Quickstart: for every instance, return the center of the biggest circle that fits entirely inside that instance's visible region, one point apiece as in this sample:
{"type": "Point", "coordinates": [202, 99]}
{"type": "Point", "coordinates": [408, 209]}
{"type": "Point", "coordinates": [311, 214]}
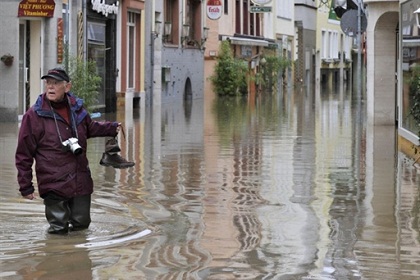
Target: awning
{"type": "Point", "coordinates": [247, 42]}
{"type": "Point", "coordinates": [411, 42]}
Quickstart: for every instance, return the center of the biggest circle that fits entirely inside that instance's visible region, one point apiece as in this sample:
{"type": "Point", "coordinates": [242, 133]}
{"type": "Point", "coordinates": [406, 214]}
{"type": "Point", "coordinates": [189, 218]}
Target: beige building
{"type": "Point", "coordinates": [254, 28]}
{"type": "Point", "coordinates": [333, 48]}
{"type": "Point", "coordinates": [31, 41]}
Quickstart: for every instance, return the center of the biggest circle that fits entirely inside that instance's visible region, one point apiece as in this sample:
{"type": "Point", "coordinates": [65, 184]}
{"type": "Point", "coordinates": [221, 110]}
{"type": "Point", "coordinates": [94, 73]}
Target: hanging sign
{"type": "Point", "coordinates": [349, 23]}
{"type": "Point", "coordinates": [60, 40]}
{"type": "Point", "coordinates": [36, 8]}
{"type": "Point", "coordinates": [214, 9]}
{"type": "Point", "coordinates": [259, 9]}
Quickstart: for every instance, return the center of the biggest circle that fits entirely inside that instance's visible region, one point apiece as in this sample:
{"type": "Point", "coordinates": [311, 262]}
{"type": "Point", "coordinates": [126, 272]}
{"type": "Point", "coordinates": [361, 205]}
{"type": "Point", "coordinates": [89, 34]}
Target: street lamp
{"type": "Point", "coordinates": [204, 37]}
{"type": "Point", "coordinates": [167, 30]}
{"type": "Point", "coordinates": [205, 33]}
{"type": "Point", "coordinates": [417, 15]}
{"type": "Point", "coordinates": [185, 33]}
{"type": "Point", "coordinates": [263, 61]}
{"type": "Point", "coordinates": [156, 32]}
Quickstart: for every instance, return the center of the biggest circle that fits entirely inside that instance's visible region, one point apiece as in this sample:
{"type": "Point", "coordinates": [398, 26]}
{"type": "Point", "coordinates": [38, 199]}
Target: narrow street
{"type": "Point", "coordinates": [289, 186]}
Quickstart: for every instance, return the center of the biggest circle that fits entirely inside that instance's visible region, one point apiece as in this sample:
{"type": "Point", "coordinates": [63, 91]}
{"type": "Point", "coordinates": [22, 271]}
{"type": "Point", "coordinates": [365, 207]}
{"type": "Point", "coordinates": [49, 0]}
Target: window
{"type": "Point", "coordinates": [329, 47]}
{"type": "Point", "coordinates": [191, 16]}
{"type": "Point", "coordinates": [131, 47]}
{"type": "Point", "coordinates": [324, 44]}
{"type": "Point", "coordinates": [193, 19]}
{"type": "Point", "coordinates": [410, 68]}
{"type": "Point", "coordinates": [66, 20]}
{"type": "Point", "coordinates": [347, 47]}
{"type": "Point", "coordinates": [254, 20]}
{"type": "Point", "coordinates": [247, 23]}
{"type": "Point", "coordinates": [96, 32]}
{"type": "Point", "coordinates": [96, 51]}
{"type": "Point", "coordinates": [334, 45]}
{"type": "Point", "coordinates": [171, 15]}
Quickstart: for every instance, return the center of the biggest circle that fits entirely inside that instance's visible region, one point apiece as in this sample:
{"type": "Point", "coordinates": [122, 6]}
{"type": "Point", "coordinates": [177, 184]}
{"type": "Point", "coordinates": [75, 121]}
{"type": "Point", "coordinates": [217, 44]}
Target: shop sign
{"type": "Point", "coordinates": [259, 9]}
{"type": "Point", "coordinates": [36, 8]}
{"type": "Point", "coordinates": [102, 8]}
{"type": "Point", "coordinates": [214, 9]}
{"type": "Point", "coordinates": [60, 41]}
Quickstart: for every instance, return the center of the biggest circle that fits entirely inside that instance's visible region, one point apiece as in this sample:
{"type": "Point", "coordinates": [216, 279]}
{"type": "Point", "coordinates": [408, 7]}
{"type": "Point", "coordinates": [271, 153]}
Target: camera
{"type": "Point", "coordinates": [72, 144]}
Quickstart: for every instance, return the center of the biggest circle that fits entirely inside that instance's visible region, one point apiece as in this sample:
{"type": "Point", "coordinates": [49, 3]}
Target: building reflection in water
{"type": "Point", "coordinates": [288, 186]}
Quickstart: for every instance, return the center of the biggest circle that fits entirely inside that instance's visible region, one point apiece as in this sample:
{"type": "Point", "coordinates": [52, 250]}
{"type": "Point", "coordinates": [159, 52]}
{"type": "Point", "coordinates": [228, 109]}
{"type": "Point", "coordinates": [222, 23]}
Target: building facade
{"type": "Point", "coordinates": [409, 73]}
{"type": "Point", "coordinates": [305, 22]}
{"type": "Point", "coordinates": [175, 71]}
{"type": "Point", "coordinates": [96, 40]}
{"type": "Point", "coordinates": [164, 51]}
{"type": "Point", "coordinates": [43, 34]}
{"type": "Point", "coordinates": [31, 33]}
{"type": "Point", "coordinates": [131, 54]}
{"type": "Point", "coordinates": [285, 37]}
{"type": "Point", "coordinates": [333, 47]}
{"type": "Point", "coordinates": [382, 48]}
{"type": "Point", "coordinates": [254, 28]}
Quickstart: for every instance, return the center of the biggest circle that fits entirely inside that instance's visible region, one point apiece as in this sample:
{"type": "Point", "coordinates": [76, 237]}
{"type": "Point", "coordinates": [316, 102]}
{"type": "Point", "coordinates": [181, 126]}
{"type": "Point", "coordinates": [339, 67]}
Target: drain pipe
{"type": "Point", "coordinates": [359, 47]}
{"type": "Point", "coordinates": [84, 9]}
{"type": "Point", "coordinates": [153, 36]}
{"type": "Point", "coordinates": [152, 62]}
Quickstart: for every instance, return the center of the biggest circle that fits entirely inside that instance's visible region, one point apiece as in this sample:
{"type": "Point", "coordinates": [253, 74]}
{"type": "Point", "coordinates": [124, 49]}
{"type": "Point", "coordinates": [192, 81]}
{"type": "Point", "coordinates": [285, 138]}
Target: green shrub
{"type": "Point", "coordinates": [414, 89]}
{"type": "Point", "coordinates": [85, 80]}
{"type": "Point", "coordinates": [272, 69]}
{"type": "Point", "coordinates": [230, 73]}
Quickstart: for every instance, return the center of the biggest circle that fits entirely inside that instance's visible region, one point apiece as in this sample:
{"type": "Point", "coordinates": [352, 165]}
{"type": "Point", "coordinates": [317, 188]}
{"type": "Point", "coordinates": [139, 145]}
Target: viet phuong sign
{"type": "Point", "coordinates": [36, 8]}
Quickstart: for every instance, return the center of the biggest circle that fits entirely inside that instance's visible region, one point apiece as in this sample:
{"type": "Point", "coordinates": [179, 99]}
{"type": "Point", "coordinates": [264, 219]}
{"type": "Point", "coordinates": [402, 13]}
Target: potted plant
{"type": "Point", "coordinates": [7, 59]}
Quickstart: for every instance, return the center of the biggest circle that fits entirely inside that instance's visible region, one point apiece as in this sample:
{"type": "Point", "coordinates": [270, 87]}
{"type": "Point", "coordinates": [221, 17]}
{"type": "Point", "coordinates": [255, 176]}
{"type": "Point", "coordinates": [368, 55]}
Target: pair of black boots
{"type": "Point", "coordinates": [111, 156]}
{"type": "Point", "coordinates": [67, 214]}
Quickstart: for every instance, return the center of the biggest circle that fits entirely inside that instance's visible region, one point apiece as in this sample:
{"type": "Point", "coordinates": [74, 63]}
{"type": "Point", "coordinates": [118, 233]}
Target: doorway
{"type": "Point", "coordinates": [29, 64]}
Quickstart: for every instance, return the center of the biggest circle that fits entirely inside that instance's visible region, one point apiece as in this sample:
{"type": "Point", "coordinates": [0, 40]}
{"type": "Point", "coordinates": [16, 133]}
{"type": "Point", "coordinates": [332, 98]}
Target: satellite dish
{"type": "Point", "coordinates": [349, 23]}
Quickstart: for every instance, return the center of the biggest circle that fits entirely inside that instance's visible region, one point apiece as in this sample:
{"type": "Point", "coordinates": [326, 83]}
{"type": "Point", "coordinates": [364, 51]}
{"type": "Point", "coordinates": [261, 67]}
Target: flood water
{"type": "Point", "coordinates": [289, 186]}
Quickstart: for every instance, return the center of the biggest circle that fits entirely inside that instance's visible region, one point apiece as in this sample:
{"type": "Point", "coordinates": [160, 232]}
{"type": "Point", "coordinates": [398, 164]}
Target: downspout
{"type": "Point", "coordinates": [183, 20]}
{"type": "Point", "coordinates": [84, 9]}
{"type": "Point", "coordinates": [67, 36]}
{"type": "Point", "coordinates": [152, 53]}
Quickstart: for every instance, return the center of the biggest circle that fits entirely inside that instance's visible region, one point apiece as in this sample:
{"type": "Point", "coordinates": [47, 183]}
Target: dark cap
{"type": "Point", "coordinates": [58, 74]}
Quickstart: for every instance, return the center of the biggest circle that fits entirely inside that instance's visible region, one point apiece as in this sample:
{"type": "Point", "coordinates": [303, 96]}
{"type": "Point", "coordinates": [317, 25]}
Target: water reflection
{"type": "Point", "coordinates": [289, 186]}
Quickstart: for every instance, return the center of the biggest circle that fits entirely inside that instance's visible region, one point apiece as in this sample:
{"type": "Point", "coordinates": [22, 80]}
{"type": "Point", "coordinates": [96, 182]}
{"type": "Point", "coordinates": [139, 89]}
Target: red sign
{"type": "Point", "coordinates": [60, 42]}
{"type": "Point", "coordinates": [214, 9]}
{"type": "Point", "coordinates": [36, 8]}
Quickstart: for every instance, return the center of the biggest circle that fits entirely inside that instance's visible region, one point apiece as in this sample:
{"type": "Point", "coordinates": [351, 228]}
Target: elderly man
{"type": "Point", "coordinates": [54, 133]}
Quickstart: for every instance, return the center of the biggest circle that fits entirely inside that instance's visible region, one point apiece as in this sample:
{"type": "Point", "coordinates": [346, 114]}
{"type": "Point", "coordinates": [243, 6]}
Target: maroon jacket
{"type": "Point", "coordinates": [60, 171]}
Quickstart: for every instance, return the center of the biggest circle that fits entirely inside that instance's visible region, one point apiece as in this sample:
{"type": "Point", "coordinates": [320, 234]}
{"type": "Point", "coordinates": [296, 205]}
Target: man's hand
{"type": "Point", "coordinates": [29, 196]}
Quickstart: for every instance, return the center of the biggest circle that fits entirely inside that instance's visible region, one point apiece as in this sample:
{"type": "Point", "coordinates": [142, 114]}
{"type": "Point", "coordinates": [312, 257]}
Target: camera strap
{"type": "Point", "coordinates": [73, 122]}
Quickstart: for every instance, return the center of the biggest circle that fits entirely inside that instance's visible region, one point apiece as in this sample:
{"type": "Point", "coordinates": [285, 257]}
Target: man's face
{"type": "Point", "coordinates": [56, 90]}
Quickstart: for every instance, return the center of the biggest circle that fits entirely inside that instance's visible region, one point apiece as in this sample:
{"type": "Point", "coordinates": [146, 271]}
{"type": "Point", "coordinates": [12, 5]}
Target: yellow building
{"type": "Point", "coordinates": [333, 47]}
